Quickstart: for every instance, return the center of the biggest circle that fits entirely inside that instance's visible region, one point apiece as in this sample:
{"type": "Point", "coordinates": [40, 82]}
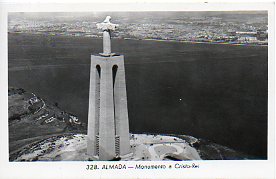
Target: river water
{"type": "Point", "coordinates": [215, 92]}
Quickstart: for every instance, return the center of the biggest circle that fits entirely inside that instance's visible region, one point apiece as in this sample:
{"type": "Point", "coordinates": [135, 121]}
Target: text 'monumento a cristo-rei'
{"type": "Point", "coordinates": [108, 128]}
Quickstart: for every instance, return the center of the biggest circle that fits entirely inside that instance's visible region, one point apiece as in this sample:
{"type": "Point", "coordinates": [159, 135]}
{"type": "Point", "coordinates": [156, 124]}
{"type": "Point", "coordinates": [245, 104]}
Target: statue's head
{"type": "Point", "coordinates": [106, 25]}
{"type": "Point", "coordinates": [107, 19]}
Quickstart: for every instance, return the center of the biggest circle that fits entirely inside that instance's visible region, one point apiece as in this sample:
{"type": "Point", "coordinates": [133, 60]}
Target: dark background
{"type": "Point", "coordinates": [215, 92]}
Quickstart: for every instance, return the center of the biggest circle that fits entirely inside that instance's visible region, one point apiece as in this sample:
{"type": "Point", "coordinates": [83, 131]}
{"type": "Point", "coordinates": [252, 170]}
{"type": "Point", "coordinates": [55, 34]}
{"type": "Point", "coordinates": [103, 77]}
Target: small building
{"type": "Point", "coordinates": [247, 37]}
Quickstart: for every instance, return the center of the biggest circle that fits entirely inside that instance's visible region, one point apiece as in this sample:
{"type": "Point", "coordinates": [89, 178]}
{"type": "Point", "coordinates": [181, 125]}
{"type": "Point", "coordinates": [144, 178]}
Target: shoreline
{"type": "Point", "coordinates": [211, 43]}
{"type": "Point", "coordinates": [156, 40]}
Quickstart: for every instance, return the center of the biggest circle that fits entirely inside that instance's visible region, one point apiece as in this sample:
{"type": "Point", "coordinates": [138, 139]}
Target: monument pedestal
{"type": "Point", "coordinates": [108, 128]}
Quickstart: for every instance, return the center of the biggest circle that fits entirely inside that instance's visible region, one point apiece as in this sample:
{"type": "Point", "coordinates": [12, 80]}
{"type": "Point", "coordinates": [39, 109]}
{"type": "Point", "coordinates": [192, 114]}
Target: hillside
{"type": "Point", "coordinates": [31, 118]}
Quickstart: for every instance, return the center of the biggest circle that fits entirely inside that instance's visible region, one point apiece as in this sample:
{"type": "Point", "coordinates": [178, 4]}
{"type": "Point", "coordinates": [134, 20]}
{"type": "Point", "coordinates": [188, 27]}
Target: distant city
{"type": "Point", "coordinates": [208, 27]}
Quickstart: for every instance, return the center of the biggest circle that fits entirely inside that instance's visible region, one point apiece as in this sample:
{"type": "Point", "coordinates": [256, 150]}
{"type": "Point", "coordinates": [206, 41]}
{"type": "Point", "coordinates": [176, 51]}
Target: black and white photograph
{"type": "Point", "coordinates": [138, 86]}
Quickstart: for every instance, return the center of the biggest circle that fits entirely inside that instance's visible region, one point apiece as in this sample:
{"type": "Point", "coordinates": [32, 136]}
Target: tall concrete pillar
{"type": "Point", "coordinates": [108, 128]}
